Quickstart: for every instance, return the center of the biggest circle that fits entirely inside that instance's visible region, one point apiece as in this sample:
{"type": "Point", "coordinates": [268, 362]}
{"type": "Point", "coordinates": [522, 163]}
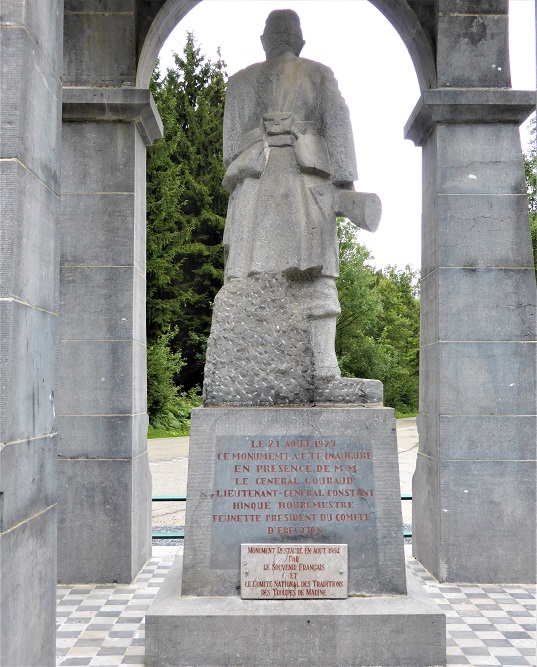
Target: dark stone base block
{"type": "Point", "coordinates": [402, 631]}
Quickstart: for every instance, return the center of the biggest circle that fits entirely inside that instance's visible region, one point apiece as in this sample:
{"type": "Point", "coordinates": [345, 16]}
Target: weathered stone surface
{"type": "Point", "coordinates": [356, 631]}
{"type": "Point", "coordinates": [453, 313]}
{"type": "Point", "coordinates": [466, 164]}
{"type": "Point", "coordinates": [467, 105]}
{"type": "Point", "coordinates": [259, 351]}
{"type": "Point", "coordinates": [109, 241]}
{"type": "Point", "coordinates": [473, 438]}
{"type": "Point", "coordinates": [477, 361]}
{"type": "Point", "coordinates": [27, 133]}
{"type": "Point", "coordinates": [478, 231]}
{"type": "Point", "coordinates": [480, 503]}
{"type": "Point", "coordinates": [27, 479]}
{"type": "Point", "coordinates": [140, 513]}
{"type": "Point", "coordinates": [103, 420]}
{"type": "Point", "coordinates": [28, 600]}
{"type": "Point", "coordinates": [487, 378]}
{"type": "Point", "coordinates": [30, 118]}
{"type": "Point", "coordinates": [108, 41]}
{"type": "Point", "coordinates": [29, 266]}
{"type": "Point", "coordinates": [472, 49]}
{"type": "Point", "coordinates": [447, 7]}
{"type": "Point", "coordinates": [42, 20]}
{"type": "Point", "coordinates": [349, 390]}
{"type": "Point", "coordinates": [98, 157]}
{"type": "Point", "coordinates": [108, 314]}
{"type": "Point", "coordinates": [427, 513]}
{"type": "Point", "coordinates": [104, 382]}
{"type": "Point", "coordinates": [102, 436]}
{"type": "Point", "coordinates": [27, 371]}
{"type": "Point", "coordinates": [106, 542]}
{"type": "Point", "coordinates": [376, 563]}
{"type": "Point", "coordinates": [113, 104]}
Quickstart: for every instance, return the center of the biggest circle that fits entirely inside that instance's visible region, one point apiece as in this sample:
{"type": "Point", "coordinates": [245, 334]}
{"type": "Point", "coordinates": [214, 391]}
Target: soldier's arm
{"type": "Point", "coordinates": [232, 131]}
{"type": "Point", "coordinates": [338, 133]}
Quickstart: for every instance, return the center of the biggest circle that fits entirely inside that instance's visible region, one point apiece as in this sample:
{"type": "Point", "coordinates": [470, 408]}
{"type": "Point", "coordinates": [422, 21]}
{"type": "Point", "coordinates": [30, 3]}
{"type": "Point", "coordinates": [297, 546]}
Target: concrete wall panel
{"type": "Point", "coordinates": [102, 436]}
{"type": "Point", "coordinates": [27, 372]}
{"type": "Point", "coordinates": [30, 123]}
{"type": "Point", "coordinates": [100, 45]}
{"type": "Point", "coordinates": [30, 488]}
{"type": "Point", "coordinates": [103, 373]}
{"type": "Point", "coordinates": [28, 600]}
{"type": "Point", "coordinates": [467, 163]}
{"type": "Point", "coordinates": [98, 231]}
{"type": "Point", "coordinates": [98, 157]}
{"type": "Point", "coordinates": [486, 503]}
{"type": "Point", "coordinates": [92, 511]}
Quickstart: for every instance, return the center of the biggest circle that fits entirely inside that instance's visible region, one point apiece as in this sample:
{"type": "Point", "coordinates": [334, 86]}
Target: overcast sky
{"type": "Point", "coordinates": [377, 79]}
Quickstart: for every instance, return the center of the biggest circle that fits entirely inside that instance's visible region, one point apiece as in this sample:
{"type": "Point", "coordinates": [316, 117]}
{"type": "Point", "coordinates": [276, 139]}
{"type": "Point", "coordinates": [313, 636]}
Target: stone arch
{"type": "Point", "coordinates": [398, 12]}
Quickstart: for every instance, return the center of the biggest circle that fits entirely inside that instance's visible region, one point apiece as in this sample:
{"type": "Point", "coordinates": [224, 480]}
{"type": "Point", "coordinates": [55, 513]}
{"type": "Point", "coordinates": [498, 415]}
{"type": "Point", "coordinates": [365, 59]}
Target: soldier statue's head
{"type": "Point", "coordinates": [282, 33]}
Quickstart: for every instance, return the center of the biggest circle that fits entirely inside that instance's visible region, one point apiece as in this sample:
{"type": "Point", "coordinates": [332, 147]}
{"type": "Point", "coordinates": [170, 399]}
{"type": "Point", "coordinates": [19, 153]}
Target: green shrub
{"type": "Point", "coordinates": [167, 405]}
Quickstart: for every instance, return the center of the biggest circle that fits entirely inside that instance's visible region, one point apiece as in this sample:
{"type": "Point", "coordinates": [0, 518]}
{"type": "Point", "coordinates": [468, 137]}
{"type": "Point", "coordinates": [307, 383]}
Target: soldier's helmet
{"type": "Point", "coordinates": [283, 22]}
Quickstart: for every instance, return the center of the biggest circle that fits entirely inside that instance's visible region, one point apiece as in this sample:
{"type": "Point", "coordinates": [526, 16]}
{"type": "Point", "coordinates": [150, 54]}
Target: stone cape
{"type": "Point", "coordinates": [259, 350]}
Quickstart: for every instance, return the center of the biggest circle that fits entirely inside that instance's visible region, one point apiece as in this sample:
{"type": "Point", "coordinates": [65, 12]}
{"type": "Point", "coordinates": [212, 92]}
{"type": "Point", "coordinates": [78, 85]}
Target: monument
{"type": "Point", "coordinates": [293, 542]}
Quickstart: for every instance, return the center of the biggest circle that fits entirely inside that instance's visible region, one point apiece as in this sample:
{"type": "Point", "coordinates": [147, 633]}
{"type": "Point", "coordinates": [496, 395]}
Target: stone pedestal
{"type": "Point", "coordinates": [291, 476]}
{"type": "Point", "coordinates": [396, 631]}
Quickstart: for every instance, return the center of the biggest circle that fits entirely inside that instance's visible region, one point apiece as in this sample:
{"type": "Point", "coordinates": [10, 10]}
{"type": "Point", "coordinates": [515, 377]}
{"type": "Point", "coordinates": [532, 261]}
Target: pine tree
{"type": "Point", "coordinates": [530, 169]}
{"type": "Point", "coordinates": [186, 208]}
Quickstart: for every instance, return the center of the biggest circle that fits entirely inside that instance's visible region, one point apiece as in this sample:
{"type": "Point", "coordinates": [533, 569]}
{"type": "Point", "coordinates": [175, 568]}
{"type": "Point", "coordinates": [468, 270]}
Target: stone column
{"type": "Point", "coordinates": [30, 130]}
{"type": "Point", "coordinates": [474, 485]}
{"type": "Point", "coordinates": [104, 529]}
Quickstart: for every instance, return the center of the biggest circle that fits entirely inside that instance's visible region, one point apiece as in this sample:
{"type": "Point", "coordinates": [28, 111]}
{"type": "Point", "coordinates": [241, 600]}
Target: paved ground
{"type": "Point", "coordinates": [104, 625]}
{"type": "Point", "coordinates": [168, 460]}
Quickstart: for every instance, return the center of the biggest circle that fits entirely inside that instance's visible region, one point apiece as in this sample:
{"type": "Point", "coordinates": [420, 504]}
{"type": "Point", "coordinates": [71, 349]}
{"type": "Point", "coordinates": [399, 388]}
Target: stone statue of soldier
{"type": "Point", "coordinates": [289, 155]}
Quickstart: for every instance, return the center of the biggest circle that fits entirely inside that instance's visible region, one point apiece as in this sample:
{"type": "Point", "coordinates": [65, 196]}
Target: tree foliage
{"type": "Point", "coordinates": [186, 208]}
{"type": "Point", "coordinates": [530, 169]}
{"type": "Point", "coordinates": [378, 330]}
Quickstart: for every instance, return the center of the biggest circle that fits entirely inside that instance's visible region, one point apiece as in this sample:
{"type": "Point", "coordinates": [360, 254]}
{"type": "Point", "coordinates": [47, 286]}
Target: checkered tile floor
{"type": "Point", "coordinates": [104, 625]}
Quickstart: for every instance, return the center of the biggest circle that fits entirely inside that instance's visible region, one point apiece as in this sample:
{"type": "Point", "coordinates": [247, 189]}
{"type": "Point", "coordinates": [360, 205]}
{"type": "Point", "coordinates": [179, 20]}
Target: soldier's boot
{"type": "Point", "coordinates": [323, 337]}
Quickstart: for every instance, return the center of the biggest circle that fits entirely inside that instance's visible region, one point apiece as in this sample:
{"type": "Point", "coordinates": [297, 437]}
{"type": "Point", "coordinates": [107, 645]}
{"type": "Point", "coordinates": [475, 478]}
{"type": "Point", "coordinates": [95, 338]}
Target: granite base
{"type": "Point", "coordinates": [407, 630]}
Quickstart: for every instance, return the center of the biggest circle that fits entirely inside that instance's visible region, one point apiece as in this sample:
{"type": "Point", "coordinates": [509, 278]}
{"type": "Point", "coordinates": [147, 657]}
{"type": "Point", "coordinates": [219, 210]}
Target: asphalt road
{"type": "Point", "coordinates": [168, 460]}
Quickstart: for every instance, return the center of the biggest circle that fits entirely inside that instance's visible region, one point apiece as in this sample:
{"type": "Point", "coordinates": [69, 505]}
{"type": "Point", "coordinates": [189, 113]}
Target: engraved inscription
{"type": "Point", "coordinates": [291, 488]}
{"type": "Point", "coordinates": [300, 571]}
